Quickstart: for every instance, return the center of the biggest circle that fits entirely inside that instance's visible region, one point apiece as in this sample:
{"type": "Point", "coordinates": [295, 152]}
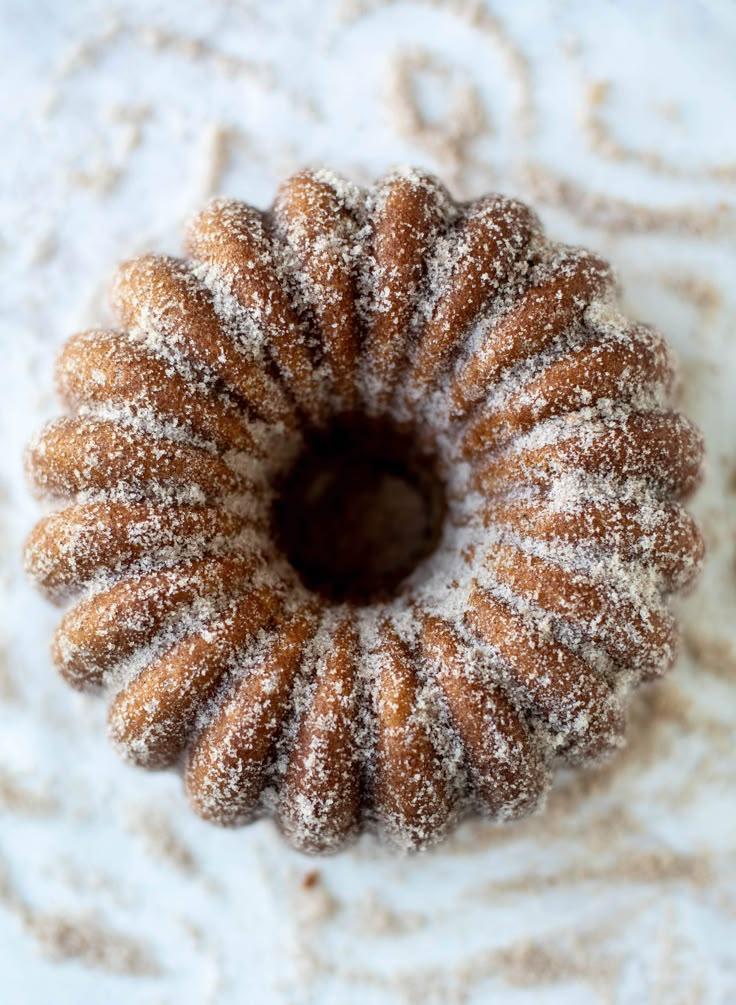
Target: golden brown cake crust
{"type": "Point", "coordinates": [463, 374]}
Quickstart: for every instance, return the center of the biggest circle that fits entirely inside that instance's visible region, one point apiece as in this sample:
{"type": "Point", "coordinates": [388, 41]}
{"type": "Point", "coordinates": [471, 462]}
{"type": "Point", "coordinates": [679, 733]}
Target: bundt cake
{"type": "Point", "coordinates": [371, 509]}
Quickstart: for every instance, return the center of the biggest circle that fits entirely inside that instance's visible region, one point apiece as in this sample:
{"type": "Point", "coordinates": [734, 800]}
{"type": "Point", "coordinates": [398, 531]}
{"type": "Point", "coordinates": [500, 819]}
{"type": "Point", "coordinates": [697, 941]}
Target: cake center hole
{"type": "Point", "coordinates": [359, 510]}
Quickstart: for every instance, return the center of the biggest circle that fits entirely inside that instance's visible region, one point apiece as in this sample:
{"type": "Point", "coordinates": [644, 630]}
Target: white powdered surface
{"type": "Point", "coordinates": [614, 126]}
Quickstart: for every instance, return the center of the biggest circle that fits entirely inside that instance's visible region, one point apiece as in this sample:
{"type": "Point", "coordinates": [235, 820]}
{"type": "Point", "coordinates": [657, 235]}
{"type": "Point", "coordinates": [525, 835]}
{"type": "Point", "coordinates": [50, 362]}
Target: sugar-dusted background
{"type": "Point", "coordinates": [616, 121]}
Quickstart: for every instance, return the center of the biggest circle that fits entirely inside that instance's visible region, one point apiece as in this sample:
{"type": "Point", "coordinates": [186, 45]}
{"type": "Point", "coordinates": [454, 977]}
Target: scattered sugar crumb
{"type": "Point", "coordinates": [313, 902]}
{"type": "Point", "coordinates": [16, 798]}
{"type": "Point", "coordinates": [701, 293]}
{"type": "Point", "coordinates": [606, 144]}
{"type": "Point", "coordinates": [88, 941]}
{"type": "Point", "coordinates": [449, 139]}
{"type": "Point", "coordinates": [99, 177]}
{"type": "Point", "coordinates": [161, 840]}
{"type": "Point", "coordinates": [621, 216]}
{"type": "Point", "coordinates": [712, 654]}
